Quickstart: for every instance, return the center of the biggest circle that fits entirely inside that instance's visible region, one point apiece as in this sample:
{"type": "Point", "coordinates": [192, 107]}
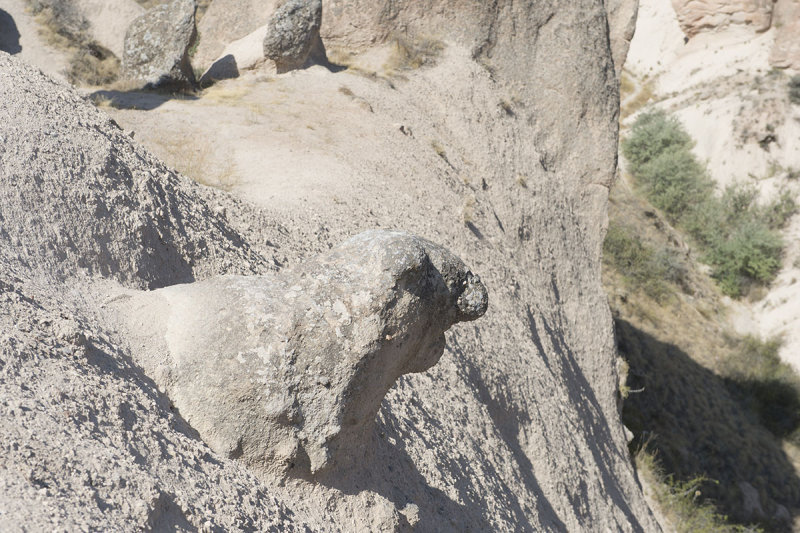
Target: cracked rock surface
{"type": "Point", "coordinates": [287, 372]}
{"type": "Point", "coordinates": [157, 46]}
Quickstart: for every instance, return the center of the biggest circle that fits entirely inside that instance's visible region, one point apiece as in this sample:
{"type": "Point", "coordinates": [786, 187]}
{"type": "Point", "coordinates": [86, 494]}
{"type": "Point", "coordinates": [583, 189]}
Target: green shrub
{"type": "Point", "coordinates": [737, 235]}
{"type": "Point", "coordinates": [640, 264]}
{"type": "Point", "coordinates": [652, 134]}
{"type": "Point", "coordinates": [794, 89]}
{"type": "Point", "coordinates": [673, 181]}
{"type": "Point", "coordinates": [750, 253]}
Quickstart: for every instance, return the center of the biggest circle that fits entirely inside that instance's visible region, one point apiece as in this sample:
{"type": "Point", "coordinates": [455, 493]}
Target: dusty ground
{"type": "Point", "coordinates": [30, 46]}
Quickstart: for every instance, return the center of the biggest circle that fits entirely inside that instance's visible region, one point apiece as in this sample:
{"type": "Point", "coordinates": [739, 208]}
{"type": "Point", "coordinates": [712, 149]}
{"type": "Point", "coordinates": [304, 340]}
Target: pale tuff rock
{"type": "Point", "coordinates": [287, 372]}
{"type": "Point", "coordinates": [86, 441]}
{"type": "Point", "coordinates": [621, 26]}
{"type": "Point", "coordinates": [696, 16]}
{"type": "Point", "coordinates": [109, 20]}
{"type": "Point", "coordinates": [120, 212]}
{"type": "Point", "coordinates": [100, 22]}
{"type": "Point", "coordinates": [516, 428]}
{"type": "Point", "coordinates": [227, 21]}
{"type": "Point", "coordinates": [157, 46]}
{"type": "Point", "coordinates": [785, 52]}
{"type": "Point", "coordinates": [243, 54]}
{"type": "Point", "coordinates": [292, 32]}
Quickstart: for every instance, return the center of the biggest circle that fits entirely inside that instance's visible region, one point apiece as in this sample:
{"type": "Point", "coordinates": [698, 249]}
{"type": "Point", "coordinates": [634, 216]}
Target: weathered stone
{"type": "Point", "coordinates": [785, 51]}
{"type": "Point", "coordinates": [243, 54]}
{"type": "Point", "coordinates": [292, 32]}
{"type": "Point", "coordinates": [696, 16]}
{"type": "Point", "coordinates": [109, 20]}
{"type": "Point", "coordinates": [621, 26]}
{"type": "Point", "coordinates": [157, 46]}
{"type": "Point", "coordinates": [751, 501]}
{"type": "Point", "coordinates": [227, 21]}
{"type": "Point", "coordinates": [288, 371]}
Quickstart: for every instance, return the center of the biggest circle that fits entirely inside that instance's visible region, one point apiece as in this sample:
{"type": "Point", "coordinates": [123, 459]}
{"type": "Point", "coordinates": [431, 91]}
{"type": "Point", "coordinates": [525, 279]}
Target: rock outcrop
{"type": "Point", "coordinates": [91, 22]}
{"type": "Point", "coordinates": [227, 21]}
{"type": "Point", "coordinates": [157, 46]}
{"type": "Point", "coordinates": [696, 16]}
{"type": "Point", "coordinates": [517, 426]}
{"type": "Point", "coordinates": [292, 31]}
{"type": "Point", "coordinates": [109, 21]}
{"type": "Point", "coordinates": [243, 54]}
{"type": "Point", "coordinates": [785, 51]}
{"type": "Point", "coordinates": [287, 372]}
{"type": "Point", "coordinates": [85, 434]}
{"type": "Point", "coordinates": [621, 24]}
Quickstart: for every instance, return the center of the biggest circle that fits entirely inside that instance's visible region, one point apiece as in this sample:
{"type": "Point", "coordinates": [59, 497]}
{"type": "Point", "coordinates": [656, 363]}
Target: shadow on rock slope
{"type": "Point", "coordinates": [688, 415]}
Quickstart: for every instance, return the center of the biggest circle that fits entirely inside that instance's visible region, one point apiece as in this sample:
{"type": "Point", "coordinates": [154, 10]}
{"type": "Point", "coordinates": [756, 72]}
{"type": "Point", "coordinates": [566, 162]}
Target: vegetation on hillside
{"type": "Point", "coordinates": [643, 266]}
{"type": "Point", "coordinates": [680, 502]}
{"type": "Point", "coordinates": [63, 27]}
{"type": "Point", "coordinates": [737, 235]}
{"type": "Point", "coordinates": [716, 413]}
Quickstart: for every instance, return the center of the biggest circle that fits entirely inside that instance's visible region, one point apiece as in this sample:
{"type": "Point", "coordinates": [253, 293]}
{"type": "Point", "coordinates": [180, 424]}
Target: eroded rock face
{"type": "Point", "coordinates": [695, 16]}
{"type": "Point", "coordinates": [109, 20]}
{"type": "Point", "coordinates": [785, 51]}
{"type": "Point", "coordinates": [292, 32]}
{"type": "Point", "coordinates": [288, 371]}
{"type": "Point", "coordinates": [621, 25]}
{"type": "Point", "coordinates": [226, 21]}
{"type": "Point", "coordinates": [246, 53]}
{"type": "Point", "coordinates": [157, 46]}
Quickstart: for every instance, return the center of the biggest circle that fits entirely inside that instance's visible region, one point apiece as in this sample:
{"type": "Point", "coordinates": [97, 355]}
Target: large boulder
{"type": "Point", "coordinates": [696, 16]}
{"type": "Point", "coordinates": [108, 21]}
{"type": "Point", "coordinates": [292, 32]}
{"type": "Point", "coordinates": [157, 46]}
{"type": "Point", "coordinates": [227, 21]}
{"type": "Point", "coordinates": [243, 54]}
{"type": "Point", "coordinates": [516, 428]}
{"type": "Point", "coordinates": [785, 51]}
{"type": "Point", "coordinates": [287, 372]}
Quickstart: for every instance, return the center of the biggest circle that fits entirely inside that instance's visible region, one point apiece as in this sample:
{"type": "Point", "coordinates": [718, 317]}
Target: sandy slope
{"type": "Point", "coordinates": [31, 47]}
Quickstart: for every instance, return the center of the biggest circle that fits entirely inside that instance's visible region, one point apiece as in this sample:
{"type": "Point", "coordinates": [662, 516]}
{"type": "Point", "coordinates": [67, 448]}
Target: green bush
{"type": "Point", "coordinates": [750, 253]}
{"type": "Point", "coordinates": [794, 89]}
{"type": "Point", "coordinates": [641, 265]}
{"type": "Point", "coordinates": [737, 236]}
{"type": "Point", "coordinates": [652, 134]}
{"type": "Point", "coordinates": [674, 180]}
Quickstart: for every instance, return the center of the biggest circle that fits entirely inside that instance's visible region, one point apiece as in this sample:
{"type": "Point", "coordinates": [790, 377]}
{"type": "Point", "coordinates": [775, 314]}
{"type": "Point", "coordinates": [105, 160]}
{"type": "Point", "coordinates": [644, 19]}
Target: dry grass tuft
{"type": "Point", "coordinates": [62, 27]}
{"type": "Point", "coordinates": [637, 102]}
{"type": "Point", "coordinates": [193, 159]}
{"type": "Point", "coordinates": [407, 54]}
{"type": "Point", "coordinates": [681, 503]}
{"type": "Point", "coordinates": [102, 101]}
{"type": "Point", "coordinates": [229, 93]}
{"type": "Point", "coordinates": [468, 209]}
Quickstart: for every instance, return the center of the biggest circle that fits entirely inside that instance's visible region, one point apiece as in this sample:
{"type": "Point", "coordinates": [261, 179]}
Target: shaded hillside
{"type": "Point", "coordinates": [684, 397]}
